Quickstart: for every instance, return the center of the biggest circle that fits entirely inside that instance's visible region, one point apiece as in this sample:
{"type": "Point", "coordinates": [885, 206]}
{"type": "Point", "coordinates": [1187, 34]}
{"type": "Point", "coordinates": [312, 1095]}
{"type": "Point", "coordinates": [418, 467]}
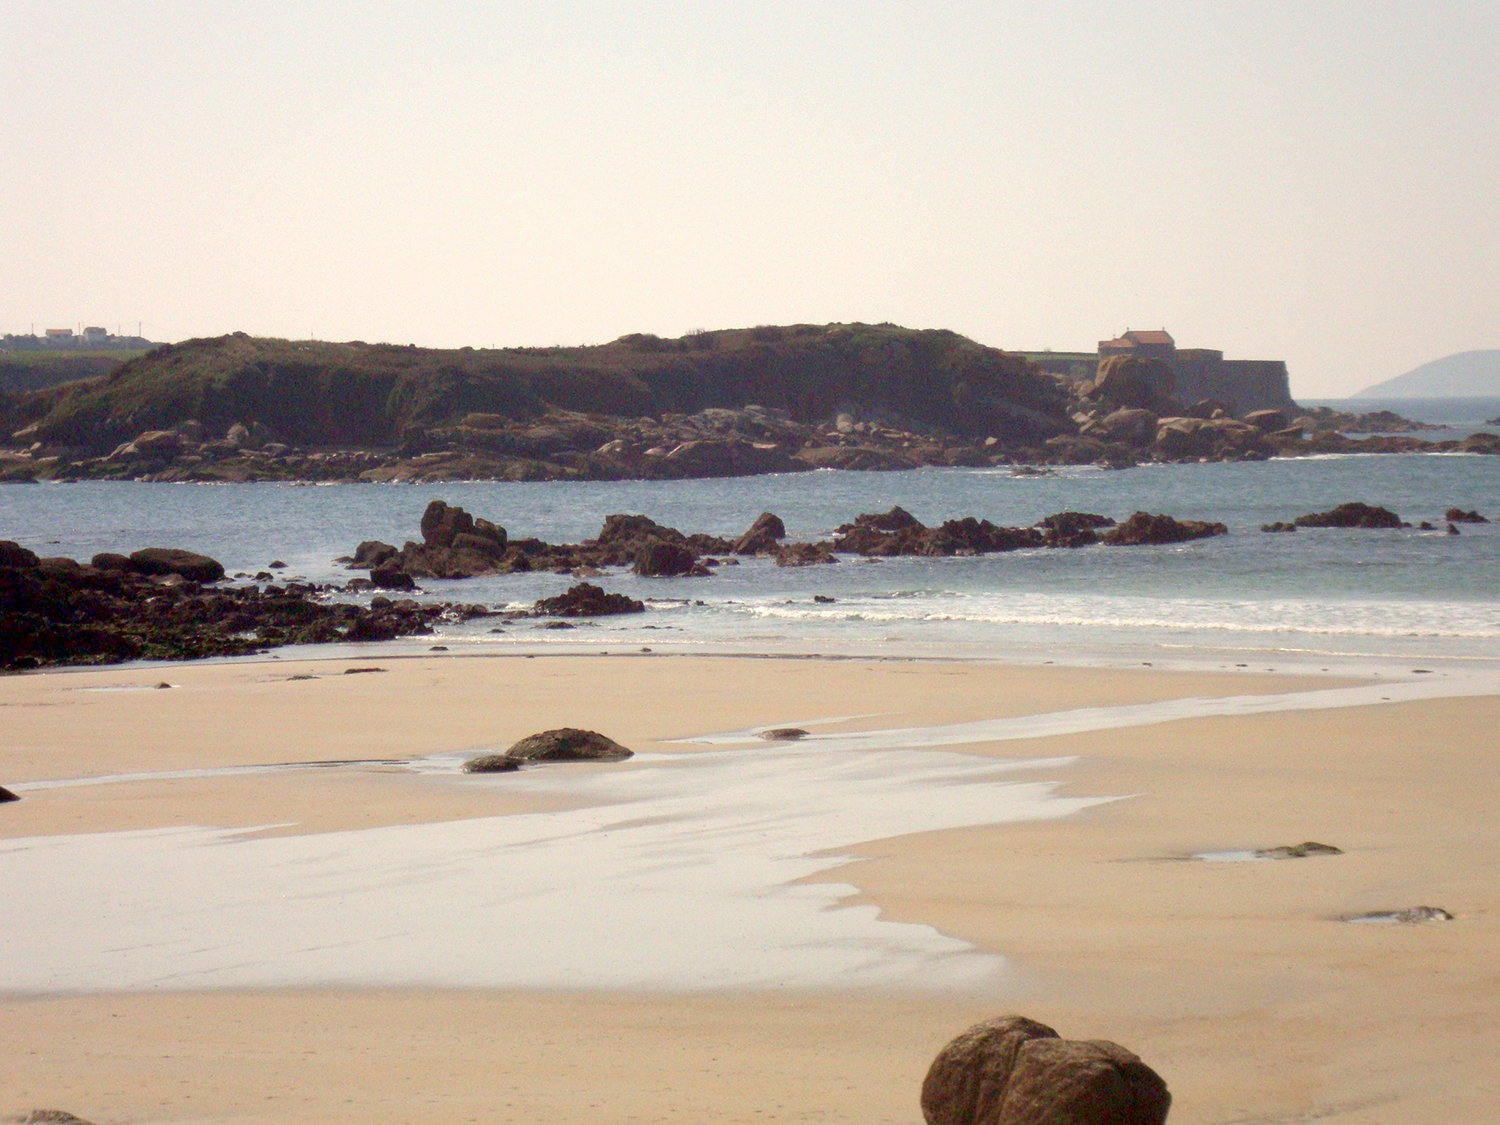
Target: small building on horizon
{"type": "Point", "coordinates": [1203, 373]}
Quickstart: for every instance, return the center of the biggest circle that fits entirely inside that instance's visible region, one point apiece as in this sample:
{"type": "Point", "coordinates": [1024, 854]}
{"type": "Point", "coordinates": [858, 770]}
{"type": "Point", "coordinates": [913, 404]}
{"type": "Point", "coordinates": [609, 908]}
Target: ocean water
{"type": "Point", "coordinates": [1249, 598]}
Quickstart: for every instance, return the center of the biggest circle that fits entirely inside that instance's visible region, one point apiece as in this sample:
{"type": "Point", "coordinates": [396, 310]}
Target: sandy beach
{"type": "Point", "coordinates": [1238, 981]}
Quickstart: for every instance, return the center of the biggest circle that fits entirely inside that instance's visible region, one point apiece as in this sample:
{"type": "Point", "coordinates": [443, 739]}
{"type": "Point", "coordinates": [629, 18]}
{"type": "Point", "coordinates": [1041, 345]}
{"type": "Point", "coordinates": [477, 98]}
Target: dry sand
{"type": "Point", "coordinates": [1235, 981]}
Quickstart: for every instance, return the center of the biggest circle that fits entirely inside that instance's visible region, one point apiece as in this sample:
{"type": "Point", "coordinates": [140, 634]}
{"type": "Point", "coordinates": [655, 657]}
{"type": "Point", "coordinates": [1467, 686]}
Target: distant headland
{"type": "Point", "coordinates": [1473, 374]}
{"type": "Point", "coordinates": [769, 399]}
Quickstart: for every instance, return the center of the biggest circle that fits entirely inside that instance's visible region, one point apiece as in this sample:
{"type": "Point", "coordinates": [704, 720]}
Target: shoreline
{"type": "Point", "coordinates": [1235, 981]}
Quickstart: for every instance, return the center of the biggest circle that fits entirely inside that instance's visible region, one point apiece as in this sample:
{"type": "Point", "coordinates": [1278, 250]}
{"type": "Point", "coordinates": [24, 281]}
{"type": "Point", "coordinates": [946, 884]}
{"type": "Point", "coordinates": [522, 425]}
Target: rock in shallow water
{"type": "Point", "coordinates": [1298, 851]}
{"type": "Point", "coordinates": [7, 795]}
{"type": "Point", "coordinates": [492, 763]}
{"type": "Point", "coordinates": [568, 744]}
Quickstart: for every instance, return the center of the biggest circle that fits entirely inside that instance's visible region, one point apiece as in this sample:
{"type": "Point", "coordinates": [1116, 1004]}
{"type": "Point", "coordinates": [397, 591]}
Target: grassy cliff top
{"type": "Point", "coordinates": [317, 393]}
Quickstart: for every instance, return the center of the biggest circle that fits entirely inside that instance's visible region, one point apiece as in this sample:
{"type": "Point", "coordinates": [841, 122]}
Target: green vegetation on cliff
{"type": "Point", "coordinates": [379, 395]}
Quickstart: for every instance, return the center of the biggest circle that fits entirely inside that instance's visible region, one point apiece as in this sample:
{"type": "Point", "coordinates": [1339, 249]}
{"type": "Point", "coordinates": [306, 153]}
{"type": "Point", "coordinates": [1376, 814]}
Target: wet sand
{"type": "Point", "coordinates": [1236, 981]}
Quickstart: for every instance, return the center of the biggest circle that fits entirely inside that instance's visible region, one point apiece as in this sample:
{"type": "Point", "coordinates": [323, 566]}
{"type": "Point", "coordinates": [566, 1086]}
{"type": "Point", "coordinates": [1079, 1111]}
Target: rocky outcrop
{"type": "Point", "coordinates": [762, 536]}
{"type": "Point", "coordinates": [568, 744]}
{"type": "Point", "coordinates": [7, 795]}
{"type": "Point", "coordinates": [1352, 515]}
{"type": "Point", "coordinates": [1144, 528]}
{"type": "Point", "coordinates": [587, 600]}
{"type": "Point", "coordinates": [805, 554]}
{"type": "Point", "coordinates": [898, 532]}
{"type": "Point", "coordinates": [1015, 1071]}
{"type": "Point", "coordinates": [1073, 529]}
{"type": "Point", "coordinates": [1458, 515]}
{"type": "Point", "coordinates": [457, 545]}
{"type": "Point", "coordinates": [171, 560]}
{"type": "Point", "coordinates": [58, 611]}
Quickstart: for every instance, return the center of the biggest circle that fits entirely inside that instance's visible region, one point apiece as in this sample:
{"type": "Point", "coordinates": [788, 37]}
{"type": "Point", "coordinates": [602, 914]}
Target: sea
{"type": "Point", "coordinates": [1248, 599]}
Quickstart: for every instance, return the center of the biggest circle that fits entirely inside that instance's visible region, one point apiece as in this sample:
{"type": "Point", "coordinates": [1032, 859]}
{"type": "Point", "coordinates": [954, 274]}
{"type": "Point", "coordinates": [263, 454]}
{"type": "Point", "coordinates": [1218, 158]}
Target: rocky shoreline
{"type": "Point", "coordinates": [172, 604]}
{"type": "Point", "coordinates": [738, 403]}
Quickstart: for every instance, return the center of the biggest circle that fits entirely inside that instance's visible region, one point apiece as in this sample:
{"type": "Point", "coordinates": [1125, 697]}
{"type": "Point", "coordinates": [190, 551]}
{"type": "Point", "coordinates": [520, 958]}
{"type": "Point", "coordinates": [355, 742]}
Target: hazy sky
{"type": "Point", "coordinates": [1318, 182]}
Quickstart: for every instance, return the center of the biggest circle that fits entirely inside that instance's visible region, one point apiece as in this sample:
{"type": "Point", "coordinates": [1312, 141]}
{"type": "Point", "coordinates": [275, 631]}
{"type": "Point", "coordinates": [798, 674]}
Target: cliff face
{"type": "Point", "coordinates": [379, 395]}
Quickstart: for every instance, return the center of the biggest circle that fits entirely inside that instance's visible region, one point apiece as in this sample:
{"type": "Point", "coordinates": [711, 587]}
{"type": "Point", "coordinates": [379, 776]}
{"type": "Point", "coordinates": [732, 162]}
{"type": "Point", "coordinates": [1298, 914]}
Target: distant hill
{"type": "Point", "coordinates": [378, 395]}
{"type": "Point", "coordinates": [1465, 375]}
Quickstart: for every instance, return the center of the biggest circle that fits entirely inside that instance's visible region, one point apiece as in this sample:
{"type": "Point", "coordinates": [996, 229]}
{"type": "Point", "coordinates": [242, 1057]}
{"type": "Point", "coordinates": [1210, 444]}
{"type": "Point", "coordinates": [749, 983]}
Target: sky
{"type": "Point", "coordinates": [1315, 182]}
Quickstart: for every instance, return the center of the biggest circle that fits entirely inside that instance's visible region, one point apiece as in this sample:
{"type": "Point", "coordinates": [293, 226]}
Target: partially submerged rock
{"type": "Point", "coordinates": [1016, 1071]}
{"type": "Point", "coordinates": [1458, 515]}
{"type": "Point", "coordinates": [492, 763]}
{"type": "Point", "coordinates": [1298, 851]}
{"type": "Point", "coordinates": [587, 600]}
{"type": "Point", "coordinates": [1144, 528]}
{"type": "Point", "coordinates": [568, 744]}
{"type": "Point", "coordinates": [762, 536]}
{"type": "Point", "coordinates": [783, 734]}
{"type": "Point", "coordinates": [1352, 515]}
{"type": "Point", "coordinates": [804, 554]}
{"type": "Point", "coordinates": [7, 795]}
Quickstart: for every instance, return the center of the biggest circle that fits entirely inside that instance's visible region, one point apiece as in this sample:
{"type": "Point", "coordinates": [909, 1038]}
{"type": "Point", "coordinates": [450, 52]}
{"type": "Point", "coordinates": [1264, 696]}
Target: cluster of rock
{"type": "Point", "coordinates": [456, 545]}
{"type": "Point", "coordinates": [565, 744]}
{"type": "Point", "coordinates": [1016, 1071]}
{"type": "Point", "coordinates": [1126, 415]}
{"type": "Point", "coordinates": [164, 604]}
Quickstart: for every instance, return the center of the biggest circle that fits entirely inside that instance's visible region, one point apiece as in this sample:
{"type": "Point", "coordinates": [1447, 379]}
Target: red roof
{"type": "Point", "coordinates": [1161, 337]}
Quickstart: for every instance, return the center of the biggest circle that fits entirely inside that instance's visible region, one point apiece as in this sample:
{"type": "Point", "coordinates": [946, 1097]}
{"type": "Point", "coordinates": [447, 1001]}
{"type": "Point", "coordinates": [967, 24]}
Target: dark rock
{"type": "Point", "coordinates": [389, 576]}
{"type": "Point", "coordinates": [1144, 528]}
{"type": "Point", "coordinates": [1278, 526]}
{"type": "Point", "coordinates": [7, 795]}
{"type": "Point", "coordinates": [371, 553]}
{"type": "Point", "coordinates": [171, 560]}
{"type": "Point", "coordinates": [762, 535]}
{"type": "Point", "coordinates": [492, 763]}
{"type": "Point", "coordinates": [660, 559]}
{"type": "Point", "coordinates": [568, 744]}
{"type": "Point", "coordinates": [1458, 515]}
{"type": "Point", "coordinates": [12, 554]}
{"type": "Point", "coordinates": [493, 548]}
{"type": "Point", "coordinates": [804, 554]}
{"type": "Point", "coordinates": [1354, 514]}
{"type": "Point", "coordinates": [783, 734]}
{"type": "Point", "coordinates": [1453, 529]}
{"type": "Point", "coordinates": [361, 671]}
{"type": "Point", "coordinates": [1015, 1071]}
{"type": "Point", "coordinates": [588, 600]}
{"type": "Point", "coordinates": [109, 560]}
{"type": "Point", "coordinates": [823, 599]}
{"type": "Point", "coordinates": [1298, 851]}
{"type": "Point", "coordinates": [277, 565]}
{"type": "Point", "coordinates": [440, 523]}
{"type": "Point", "coordinates": [1073, 529]}
{"type": "Point", "coordinates": [47, 1117]}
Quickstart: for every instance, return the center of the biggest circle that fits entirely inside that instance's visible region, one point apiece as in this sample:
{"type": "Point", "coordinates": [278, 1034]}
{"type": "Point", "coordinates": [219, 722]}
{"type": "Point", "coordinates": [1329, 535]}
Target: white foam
{"type": "Point", "coordinates": [683, 874]}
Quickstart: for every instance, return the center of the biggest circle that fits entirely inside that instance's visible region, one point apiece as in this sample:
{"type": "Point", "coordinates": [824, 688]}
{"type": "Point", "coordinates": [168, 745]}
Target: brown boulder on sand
{"type": "Point", "coordinates": [1015, 1071]}
{"type": "Point", "coordinates": [568, 744]}
{"type": "Point", "coordinates": [47, 1117]}
{"type": "Point", "coordinates": [7, 795]}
